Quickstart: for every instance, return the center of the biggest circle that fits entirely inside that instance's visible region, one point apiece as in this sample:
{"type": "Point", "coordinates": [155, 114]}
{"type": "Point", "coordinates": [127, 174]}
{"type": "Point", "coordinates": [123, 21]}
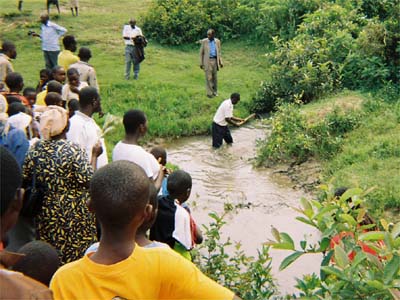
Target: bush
{"type": "Point", "coordinates": [348, 270]}
{"type": "Point", "coordinates": [248, 277]}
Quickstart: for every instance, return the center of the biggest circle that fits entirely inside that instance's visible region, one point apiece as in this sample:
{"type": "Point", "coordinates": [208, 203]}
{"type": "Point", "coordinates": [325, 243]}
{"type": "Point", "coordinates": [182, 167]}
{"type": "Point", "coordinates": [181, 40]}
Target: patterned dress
{"type": "Point", "coordinates": [64, 221]}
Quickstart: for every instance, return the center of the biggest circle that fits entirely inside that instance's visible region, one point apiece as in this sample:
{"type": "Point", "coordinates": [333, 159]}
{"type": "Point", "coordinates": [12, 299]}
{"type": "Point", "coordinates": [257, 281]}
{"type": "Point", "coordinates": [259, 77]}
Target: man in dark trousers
{"type": "Point", "coordinates": [223, 116]}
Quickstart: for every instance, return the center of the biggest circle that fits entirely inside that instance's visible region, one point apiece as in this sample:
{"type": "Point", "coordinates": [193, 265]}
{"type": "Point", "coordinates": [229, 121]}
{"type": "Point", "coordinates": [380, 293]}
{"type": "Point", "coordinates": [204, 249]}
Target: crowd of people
{"type": "Point", "coordinates": [70, 219]}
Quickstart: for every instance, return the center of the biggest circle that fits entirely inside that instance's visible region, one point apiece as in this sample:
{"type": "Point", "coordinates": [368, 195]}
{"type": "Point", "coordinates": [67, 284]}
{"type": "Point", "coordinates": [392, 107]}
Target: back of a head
{"type": "Point", "coordinates": [11, 181]}
{"type": "Point", "coordinates": [87, 95]}
{"type": "Point", "coordinates": [53, 98]}
{"type": "Point", "coordinates": [14, 81]}
{"type": "Point", "coordinates": [119, 192]}
{"type": "Point", "coordinates": [28, 90]}
{"type": "Point", "coordinates": [159, 152]}
{"type": "Point", "coordinates": [73, 105]}
{"type": "Point", "coordinates": [235, 96]}
{"type": "Point", "coordinates": [132, 120]}
{"type": "Point", "coordinates": [15, 108]}
{"type": "Point", "coordinates": [178, 183]}
{"type": "Point", "coordinates": [40, 262]}
{"type": "Point", "coordinates": [7, 46]}
{"type": "Point", "coordinates": [54, 86]}
{"type": "Point", "coordinates": [153, 201]}
{"type": "Point", "coordinates": [84, 53]}
{"type": "Point", "coordinates": [68, 41]}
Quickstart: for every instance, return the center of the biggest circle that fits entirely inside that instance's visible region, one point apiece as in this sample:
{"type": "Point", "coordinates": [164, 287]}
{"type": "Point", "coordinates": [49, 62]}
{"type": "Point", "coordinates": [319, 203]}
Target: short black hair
{"type": "Point", "coordinates": [56, 69]}
{"type": "Point", "coordinates": [40, 262]}
{"type": "Point", "coordinates": [158, 152]}
{"type": "Point", "coordinates": [84, 53]}
{"type": "Point", "coordinates": [68, 40]}
{"type": "Point", "coordinates": [7, 46]}
{"type": "Point", "coordinates": [118, 192]}
{"type": "Point", "coordinates": [73, 105]}
{"type": "Point", "coordinates": [11, 181]}
{"type": "Point", "coordinates": [28, 90]}
{"type": "Point", "coordinates": [15, 108]}
{"type": "Point", "coordinates": [72, 71]}
{"type": "Point", "coordinates": [46, 72]}
{"type": "Point", "coordinates": [87, 95]}
{"type": "Point", "coordinates": [54, 86]}
{"type": "Point", "coordinates": [235, 96]}
{"type": "Point", "coordinates": [132, 120]}
{"type": "Point", "coordinates": [178, 183]}
{"type": "Point", "coordinates": [14, 80]}
{"type": "Point", "coordinates": [52, 98]}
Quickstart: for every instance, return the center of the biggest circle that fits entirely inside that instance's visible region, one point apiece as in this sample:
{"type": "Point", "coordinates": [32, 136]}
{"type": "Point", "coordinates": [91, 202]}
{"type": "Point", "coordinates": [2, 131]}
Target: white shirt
{"type": "Point", "coordinates": [225, 110]}
{"type": "Point", "coordinates": [130, 32]}
{"type": "Point", "coordinates": [138, 155]}
{"type": "Point", "coordinates": [84, 131]}
{"type": "Point", "coordinates": [51, 32]}
{"type": "Point", "coordinates": [67, 94]}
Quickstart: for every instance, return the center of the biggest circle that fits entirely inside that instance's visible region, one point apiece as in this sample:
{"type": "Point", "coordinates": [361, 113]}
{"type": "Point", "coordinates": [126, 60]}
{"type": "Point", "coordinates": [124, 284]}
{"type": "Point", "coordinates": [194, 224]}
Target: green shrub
{"type": "Point", "coordinates": [347, 270]}
{"type": "Point", "coordinates": [248, 277]}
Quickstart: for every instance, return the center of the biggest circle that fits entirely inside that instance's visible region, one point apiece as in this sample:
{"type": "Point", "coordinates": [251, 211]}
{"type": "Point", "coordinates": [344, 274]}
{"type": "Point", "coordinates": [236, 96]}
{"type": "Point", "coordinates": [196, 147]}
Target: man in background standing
{"type": "Point", "coordinates": [67, 56]}
{"type": "Point", "coordinates": [74, 4]}
{"type": "Point", "coordinates": [210, 61]}
{"type": "Point", "coordinates": [86, 72]}
{"type": "Point", "coordinates": [8, 52]}
{"type": "Point", "coordinates": [50, 34]}
{"type": "Point", "coordinates": [132, 55]}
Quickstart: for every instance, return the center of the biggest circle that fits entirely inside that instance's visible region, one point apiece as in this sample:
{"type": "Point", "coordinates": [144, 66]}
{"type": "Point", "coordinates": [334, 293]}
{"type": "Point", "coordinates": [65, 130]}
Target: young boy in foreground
{"type": "Point", "coordinates": [120, 269]}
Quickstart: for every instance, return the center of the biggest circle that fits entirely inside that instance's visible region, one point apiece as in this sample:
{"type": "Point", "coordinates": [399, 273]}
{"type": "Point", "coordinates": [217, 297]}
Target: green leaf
{"type": "Point", "coordinates": [276, 234]}
{"type": "Point", "coordinates": [284, 246]}
{"type": "Point", "coordinates": [287, 239]}
{"type": "Point", "coordinates": [360, 257]}
{"type": "Point", "coordinates": [376, 284]}
{"type": "Point", "coordinates": [324, 244]}
{"type": "Point", "coordinates": [350, 193]}
{"type": "Point", "coordinates": [372, 236]}
{"type": "Point", "coordinates": [396, 230]}
{"type": "Point", "coordinates": [325, 262]}
{"type": "Point", "coordinates": [306, 221]}
{"type": "Point", "coordinates": [349, 219]}
{"type": "Point", "coordinates": [341, 257]}
{"type": "Point", "coordinates": [391, 269]}
{"type": "Point", "coordinates": [305, 203]}
{"type": "Point", "coordinates": [303, 245]}
{"type": "Point", "coordinates": [333, 271]}
{"type": "Point", "coordinates": [290, 259]}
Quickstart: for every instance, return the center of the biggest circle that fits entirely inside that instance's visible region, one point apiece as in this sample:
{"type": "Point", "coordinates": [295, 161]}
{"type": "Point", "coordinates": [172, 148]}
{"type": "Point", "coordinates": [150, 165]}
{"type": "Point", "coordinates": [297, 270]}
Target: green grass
{"type": "Point", "coordinates": [171, 87]}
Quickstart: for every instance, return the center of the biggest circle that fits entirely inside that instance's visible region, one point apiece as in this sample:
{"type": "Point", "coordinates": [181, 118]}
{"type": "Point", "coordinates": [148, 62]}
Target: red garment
{"type": "Point", "coordinates": [21, 98]}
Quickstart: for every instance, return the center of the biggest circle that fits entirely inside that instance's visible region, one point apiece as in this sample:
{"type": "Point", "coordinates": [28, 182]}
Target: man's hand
{"type": "Point", "coordinates": [74, 89]}
{"type": "Point", "coordinates": [97, 149]}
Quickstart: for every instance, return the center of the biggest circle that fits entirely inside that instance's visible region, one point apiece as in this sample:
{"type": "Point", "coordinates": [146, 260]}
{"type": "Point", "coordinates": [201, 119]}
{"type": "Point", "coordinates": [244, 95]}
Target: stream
{"type": "Point", "coordinates": [263, 199]}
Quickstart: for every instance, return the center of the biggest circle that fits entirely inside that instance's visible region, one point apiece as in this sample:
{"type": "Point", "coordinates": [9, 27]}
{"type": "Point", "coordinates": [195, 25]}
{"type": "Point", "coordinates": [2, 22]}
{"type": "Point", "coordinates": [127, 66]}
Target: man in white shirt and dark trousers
{"type": "Point", "coordinates": [129, 33]}
{"type": "Point", "coordinates": [83, 130]}
{"type": "Point", "coordinates": [223, 116]}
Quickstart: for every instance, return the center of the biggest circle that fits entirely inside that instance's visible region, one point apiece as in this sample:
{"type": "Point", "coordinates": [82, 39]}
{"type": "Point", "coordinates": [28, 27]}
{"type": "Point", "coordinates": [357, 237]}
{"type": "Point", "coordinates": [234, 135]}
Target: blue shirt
{"type": "Point", "coordinates": [16, 142]}
{"type": "Point", "coordinates": [213, 49]}
{"type": "Point", "coordinates": [50, 34]}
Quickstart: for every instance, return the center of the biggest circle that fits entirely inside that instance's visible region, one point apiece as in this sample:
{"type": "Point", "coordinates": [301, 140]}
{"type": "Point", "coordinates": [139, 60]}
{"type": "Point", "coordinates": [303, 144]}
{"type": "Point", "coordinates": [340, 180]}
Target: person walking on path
{"type": "Point", "coordinates": [210, 61]}
{"type": "Point", "coordinates": [223, 116]}
{"type": "Point", "coordinates": [133, 55]}
{"type": "Point", "coordinates": [50, 34]}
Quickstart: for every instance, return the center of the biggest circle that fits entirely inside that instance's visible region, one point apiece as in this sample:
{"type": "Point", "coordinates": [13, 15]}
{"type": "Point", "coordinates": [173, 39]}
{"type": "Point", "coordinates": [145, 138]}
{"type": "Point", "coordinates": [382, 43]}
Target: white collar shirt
{"type": "Point", "coordinates": [225, 110]}
{"type": "Point", "coordinates": [131, 33]}
{"type": "Point", "coordinates": [50, 34]}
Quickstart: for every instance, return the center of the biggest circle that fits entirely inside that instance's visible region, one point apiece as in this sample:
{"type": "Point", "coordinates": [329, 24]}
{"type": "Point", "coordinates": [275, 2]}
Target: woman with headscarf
{"type": "Point", "coordinates": [64, 172]}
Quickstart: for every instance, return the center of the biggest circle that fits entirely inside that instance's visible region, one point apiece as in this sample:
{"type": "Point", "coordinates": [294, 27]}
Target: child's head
{"type": "Point", "coordinates": [58, 73]}
{"type": "Point", "coordinates": [73, 106]}
{"type": "Point", "coordinates": [54, 86]}
{"type": "Point", "coordinates": [119, 195]}
{"type": "Point", "coordinates": [30, 94]}
{"type": "Point", "coordinates": [179, 185]}
{"type": "Point", "coordinates": [73, 77]}
{"type": "Point", "coordinates": [160, 153]}
{"type": "Point", "coordinates": [69, 43]}
{"type": "Point", "coordinates": [40, 262]}
{"type": "Point", "coordinates": [135, 122]}
{"type": "Point", "coordinates": [15, 82]}
{"type": "Point", "coordinates": [54, 99]}
{"type": "Point", "coordinates": [151, 213]}
{"type": "Point", "coordinates": [44, 75]}
{"type": "Point", "coordinates": [15, 108]}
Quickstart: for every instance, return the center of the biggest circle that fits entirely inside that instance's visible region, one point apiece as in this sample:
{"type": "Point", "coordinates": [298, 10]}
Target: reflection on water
{"type": "Point", "coordinates": [227, 175]}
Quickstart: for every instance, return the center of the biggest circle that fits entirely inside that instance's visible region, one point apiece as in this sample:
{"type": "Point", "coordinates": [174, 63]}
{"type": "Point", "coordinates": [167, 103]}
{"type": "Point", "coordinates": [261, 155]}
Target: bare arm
{"type": "Point", "coordinates": [158, 181]}
{"type": "Point", "coordinates": [234, 121]}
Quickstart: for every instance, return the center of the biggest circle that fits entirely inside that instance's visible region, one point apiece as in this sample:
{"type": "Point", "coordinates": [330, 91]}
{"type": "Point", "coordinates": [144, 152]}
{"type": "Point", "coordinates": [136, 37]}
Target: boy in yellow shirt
{"type": "Point", "coordinates": [120, 269]}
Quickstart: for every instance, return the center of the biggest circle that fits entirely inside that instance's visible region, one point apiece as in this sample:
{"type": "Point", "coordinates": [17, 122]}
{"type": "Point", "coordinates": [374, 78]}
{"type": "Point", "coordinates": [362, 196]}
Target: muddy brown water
{"type": "Point", "coordinates": [227, 175]}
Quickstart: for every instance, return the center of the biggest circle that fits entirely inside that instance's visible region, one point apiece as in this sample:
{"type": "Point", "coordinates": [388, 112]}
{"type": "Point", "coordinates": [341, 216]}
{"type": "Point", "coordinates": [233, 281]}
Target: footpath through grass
{"type": "Point", "coordinates": [170, 89]}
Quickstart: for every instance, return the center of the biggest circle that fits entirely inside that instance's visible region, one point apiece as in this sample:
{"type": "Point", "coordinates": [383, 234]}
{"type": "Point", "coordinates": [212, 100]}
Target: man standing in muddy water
{"type": "Point", "coordinates": [223, 116]}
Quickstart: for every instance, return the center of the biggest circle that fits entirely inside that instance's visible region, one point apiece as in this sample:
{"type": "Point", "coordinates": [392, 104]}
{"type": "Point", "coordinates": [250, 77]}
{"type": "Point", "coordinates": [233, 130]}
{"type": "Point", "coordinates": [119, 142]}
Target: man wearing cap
{"type": "Point", "coordinates": [132, 55]}
{"type": "Point", "coordinates": [210, 61]}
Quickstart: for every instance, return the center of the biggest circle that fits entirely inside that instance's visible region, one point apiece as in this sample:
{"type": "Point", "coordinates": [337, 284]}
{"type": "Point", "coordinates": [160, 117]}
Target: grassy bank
{"type": "Point", "coordinates": [171, 86]}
